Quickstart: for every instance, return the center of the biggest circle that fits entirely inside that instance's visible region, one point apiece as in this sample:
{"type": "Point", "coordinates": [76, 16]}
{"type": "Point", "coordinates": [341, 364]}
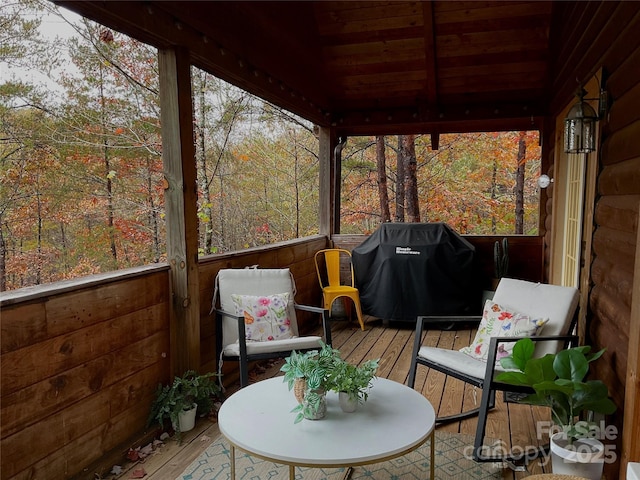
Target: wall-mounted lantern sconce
{"type": "Point", "coordinates": [580, 124]}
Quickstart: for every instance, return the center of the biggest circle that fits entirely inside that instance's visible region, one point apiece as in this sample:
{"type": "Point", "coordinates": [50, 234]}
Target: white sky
{"type": "Point", "coordinates": [54, 29]}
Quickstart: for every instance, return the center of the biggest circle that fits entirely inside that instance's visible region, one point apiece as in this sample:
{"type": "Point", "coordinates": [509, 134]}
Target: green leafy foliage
{"type": "Point", "coordinates": [312, 365]}
{"type": "Point", "coordinates": [558, 382]}
{"type": "Point", "coordinates": [324, 370]}
{"type": "Point", "coordinates": [181, 395]}
{"type": "Point", "coordinates": [353, 379]}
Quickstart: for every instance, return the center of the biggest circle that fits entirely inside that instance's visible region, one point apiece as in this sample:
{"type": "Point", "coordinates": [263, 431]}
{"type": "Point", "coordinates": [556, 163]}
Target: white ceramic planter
{"type": "Point", "coordinates": [187, 419]}
{"type": "Point", "coordinates": [347, 404]}
{"type": "Point", "coordinates": [585, 459]}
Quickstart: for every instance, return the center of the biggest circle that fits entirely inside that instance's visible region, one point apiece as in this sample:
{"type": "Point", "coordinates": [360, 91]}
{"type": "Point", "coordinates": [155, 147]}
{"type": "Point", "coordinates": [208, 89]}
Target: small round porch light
{"type": "Point", "coordinates": [544, 181]}
{"type": "Point", "coordinates": [580, 127]}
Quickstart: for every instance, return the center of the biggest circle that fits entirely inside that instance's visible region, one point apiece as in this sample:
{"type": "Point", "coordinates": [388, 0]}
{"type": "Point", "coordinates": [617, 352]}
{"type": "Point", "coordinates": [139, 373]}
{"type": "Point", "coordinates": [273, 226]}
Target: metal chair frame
{"type": "Point", "coordinates": [245, 358]}
{"type": "Point", "coordinates": [487, 383]}
{"type": "Point", "coordinates": [333, 288]}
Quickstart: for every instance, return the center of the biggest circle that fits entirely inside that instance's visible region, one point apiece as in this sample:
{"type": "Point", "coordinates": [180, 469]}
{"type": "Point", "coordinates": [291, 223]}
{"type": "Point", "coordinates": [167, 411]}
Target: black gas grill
{"type": "Point", "coordinates": [408, 269]}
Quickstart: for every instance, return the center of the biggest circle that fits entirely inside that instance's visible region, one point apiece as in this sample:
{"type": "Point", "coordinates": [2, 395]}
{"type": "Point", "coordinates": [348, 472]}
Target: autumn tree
{"type": "Point", "coordinates": [410, 181]}
{"type": "Point", "coordinates": [469, 182]}
{"type": "Point", "coordinates": [381, 169]}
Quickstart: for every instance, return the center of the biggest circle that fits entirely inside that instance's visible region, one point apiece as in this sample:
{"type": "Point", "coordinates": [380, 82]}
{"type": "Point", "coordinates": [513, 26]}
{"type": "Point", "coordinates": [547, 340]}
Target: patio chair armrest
{"type": "Point", "coordinates": [242, 334]}
{"type": "Point", "coordinates": [309, 308]}
{"type": "Point", "coordinates": [326, 327]}
{"type": "Point", "coordinates": [424, 319]}
{"type": "Point", "coordinates": [492, 353]}
{"type": "Point", "coordinates": [224, 313]}
{"type": "Point", "coordinates": [449, 318]}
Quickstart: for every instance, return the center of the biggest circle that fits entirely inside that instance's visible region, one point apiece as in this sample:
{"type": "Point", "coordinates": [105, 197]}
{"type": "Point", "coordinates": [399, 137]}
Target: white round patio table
{"type": "Point", "coordinates": [394, 421]}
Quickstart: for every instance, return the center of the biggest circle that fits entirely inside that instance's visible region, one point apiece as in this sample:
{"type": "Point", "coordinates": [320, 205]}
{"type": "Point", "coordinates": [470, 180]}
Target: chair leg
{"type": "Point", "coordinates": [459, 416]}
{"type": "Point", "coordinates": [515, 462]}
{"type": "Point", "coordinates": [244, 373]}
{"type": "Point", "coordinates": [417, 341]}
{"type": "Point", "coordinates": [356, 302]}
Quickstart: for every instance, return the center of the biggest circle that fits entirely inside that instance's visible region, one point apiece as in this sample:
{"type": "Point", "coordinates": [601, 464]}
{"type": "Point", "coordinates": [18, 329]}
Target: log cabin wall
{"type": "Point", "coordinates": [80, 362]}
{"type": "Point", "coordinates": [296, 255]}
{"type": "Point", "coordinates": [604, 35]}
{"type": "Point", "coordinates": [525, 255]}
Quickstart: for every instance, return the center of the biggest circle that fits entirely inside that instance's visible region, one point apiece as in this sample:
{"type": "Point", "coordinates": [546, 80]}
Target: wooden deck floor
{"type": "Point", "coordinates": [511, 423]}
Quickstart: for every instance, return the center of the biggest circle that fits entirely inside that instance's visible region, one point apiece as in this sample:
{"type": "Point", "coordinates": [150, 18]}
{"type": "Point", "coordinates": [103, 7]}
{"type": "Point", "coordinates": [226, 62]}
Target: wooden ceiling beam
{"type": "Point", "coordinates": [430, 53]}
{"type": "Point", "coordinates": [422, 119]}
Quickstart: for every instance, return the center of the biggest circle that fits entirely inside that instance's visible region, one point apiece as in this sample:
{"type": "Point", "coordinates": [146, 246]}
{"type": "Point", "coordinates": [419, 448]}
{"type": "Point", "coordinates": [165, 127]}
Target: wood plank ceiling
{"type": "Point", "coordinates": [365, 67]}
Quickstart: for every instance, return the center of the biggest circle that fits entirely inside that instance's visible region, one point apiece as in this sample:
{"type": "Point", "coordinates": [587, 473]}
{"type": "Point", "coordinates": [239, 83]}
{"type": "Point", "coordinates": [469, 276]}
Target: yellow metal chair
{"type": "Point", "coordinates": [331, 284]}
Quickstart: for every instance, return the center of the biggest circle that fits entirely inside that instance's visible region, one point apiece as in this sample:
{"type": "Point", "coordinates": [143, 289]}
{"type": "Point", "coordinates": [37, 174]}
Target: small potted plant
{"type": "Point", "coordinates": [352, 382]}
{"type": "Point", "coordinates": [558, 382]}
{"type": "Point", "coordinates": [180, 401]}
{"type": "Point", "coordinates": [307, 373]}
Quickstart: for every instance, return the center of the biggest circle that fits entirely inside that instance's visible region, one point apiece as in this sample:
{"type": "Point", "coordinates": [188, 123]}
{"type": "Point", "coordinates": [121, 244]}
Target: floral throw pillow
{"type": "Point", "coordinates": [500, 322]}
{"type": "Point", "coordinates": [265, 317]}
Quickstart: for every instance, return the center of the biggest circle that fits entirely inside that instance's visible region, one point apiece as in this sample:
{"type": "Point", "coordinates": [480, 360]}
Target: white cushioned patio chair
{"type": "Point", "coordinates": [519, 308]}
{"type": "Point", "coordinates": [256, 318]}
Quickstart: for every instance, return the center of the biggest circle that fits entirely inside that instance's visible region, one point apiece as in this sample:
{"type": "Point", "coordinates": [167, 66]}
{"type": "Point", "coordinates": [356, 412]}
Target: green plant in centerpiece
{"type": "Point", "coordinates": [186, 391]}
{"type": "Point", "coordinates": [355, 380]}
{"type": "Point", "coordinates": [313, 367]}
{"type": "Point", "coordinates": [558, 382]}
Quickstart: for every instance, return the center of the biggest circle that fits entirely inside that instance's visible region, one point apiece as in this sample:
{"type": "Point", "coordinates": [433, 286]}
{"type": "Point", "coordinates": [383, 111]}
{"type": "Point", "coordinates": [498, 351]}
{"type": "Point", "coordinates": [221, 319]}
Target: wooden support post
{"type": "Point", "coordinates": [325, 155]}
{"type": "Point", "coordinates": [178, 156]}
{"type": "Point", "coordinates": [631, 422]}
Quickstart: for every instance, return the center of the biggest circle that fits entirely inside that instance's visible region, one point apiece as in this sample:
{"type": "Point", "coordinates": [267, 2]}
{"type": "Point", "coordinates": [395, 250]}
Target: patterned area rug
{"type": "Point", "coordinates": [452, 461]}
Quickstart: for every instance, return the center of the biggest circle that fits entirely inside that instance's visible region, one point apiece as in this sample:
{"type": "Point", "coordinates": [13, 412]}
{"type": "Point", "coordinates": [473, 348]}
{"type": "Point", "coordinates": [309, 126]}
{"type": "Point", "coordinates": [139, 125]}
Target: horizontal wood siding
{"type": "Point", "coordinates": [79, 369]}
{"type": "Point", "coordinates": [525, 255]}
{"type": "Point", "coordinates": [297, 255]}
{"type": "Point", "coordinates": [609, 39]}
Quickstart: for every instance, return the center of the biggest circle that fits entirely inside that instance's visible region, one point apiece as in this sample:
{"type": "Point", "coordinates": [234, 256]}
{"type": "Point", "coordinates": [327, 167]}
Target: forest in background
{"type": "Point", "coordinates": [81, 182]}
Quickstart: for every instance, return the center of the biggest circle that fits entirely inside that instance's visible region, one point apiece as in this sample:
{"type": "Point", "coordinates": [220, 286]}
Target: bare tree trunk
{"type": "Point", "coordinates": [39, 239]}
{"type": "Point", "coordinates": [410, 178]}
{"type": "Point", "coordinates": [153, 214]}
{"type": "Point", "coordinates": [522, 154]}
{"type": "Point", "coordinates": [203, 179]}
{"type": "Point", "coordinates": [107, 168]}
{"type": "Point", "coordinates": [383, 194]}
{"type": "Point", "coordinates": [3, 259]}
{"type": "Point", "coordinates": [296, 182]}
{"type": "Point", "coordinates": [399, 217]}
{"type": "Point", "coordinates": [494, 194]}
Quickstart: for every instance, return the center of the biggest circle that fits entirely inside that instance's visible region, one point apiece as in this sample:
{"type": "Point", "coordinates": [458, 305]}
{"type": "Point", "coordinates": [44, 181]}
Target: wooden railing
{"type": "Point", "coordinates": [80, 360]}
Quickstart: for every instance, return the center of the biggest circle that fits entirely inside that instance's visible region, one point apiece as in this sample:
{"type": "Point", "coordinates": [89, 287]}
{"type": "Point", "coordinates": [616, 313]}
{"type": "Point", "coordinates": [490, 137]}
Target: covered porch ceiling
{"type": "Point", "coordinates": [364, 67]}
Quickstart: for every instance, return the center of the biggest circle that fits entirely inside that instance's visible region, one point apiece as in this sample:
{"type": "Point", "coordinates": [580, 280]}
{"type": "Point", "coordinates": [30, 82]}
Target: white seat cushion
{"type": "Point", "coordinates": [296, 343]}
{"type": "Point", "coordinates": [455, 360]}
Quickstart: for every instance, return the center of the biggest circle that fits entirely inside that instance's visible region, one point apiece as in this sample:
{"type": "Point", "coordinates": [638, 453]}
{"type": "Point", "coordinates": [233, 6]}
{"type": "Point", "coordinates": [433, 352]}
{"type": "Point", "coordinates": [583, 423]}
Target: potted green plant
{"type": "Point", "coordinates": [307, 374]}
{"type": "Point", "coordinates": [180, 401]}
{"type": "Point", "coordinates": [558, 382]}
{"type": "Point", "coordinates": [352, 382]}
